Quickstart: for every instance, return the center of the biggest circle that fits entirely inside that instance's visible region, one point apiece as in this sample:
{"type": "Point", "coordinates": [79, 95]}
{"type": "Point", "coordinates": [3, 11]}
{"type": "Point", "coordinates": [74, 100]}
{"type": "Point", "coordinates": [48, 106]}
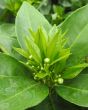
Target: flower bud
{"type": "Point", "coordinates": [30, 57]}
{"type": "Point", "coordinates": [46, 60]}
{"type": "Point", "coordinates": [60, 80]}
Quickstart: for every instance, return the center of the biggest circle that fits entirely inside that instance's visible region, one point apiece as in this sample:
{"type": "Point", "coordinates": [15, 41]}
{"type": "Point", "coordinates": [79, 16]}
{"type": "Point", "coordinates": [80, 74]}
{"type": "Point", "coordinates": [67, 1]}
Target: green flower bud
{"type": "Point", "coordinates": [30, 57]}
{"type": "Point", "coordinates": [60, 80]}
{"type": "Point", "coordinates": [46, 60]}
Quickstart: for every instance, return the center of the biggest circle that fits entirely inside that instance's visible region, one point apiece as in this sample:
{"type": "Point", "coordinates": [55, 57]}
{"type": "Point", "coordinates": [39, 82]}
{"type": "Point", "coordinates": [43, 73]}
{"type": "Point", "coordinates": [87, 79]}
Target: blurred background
{"type": "Point", "coordinates": [54, 10]}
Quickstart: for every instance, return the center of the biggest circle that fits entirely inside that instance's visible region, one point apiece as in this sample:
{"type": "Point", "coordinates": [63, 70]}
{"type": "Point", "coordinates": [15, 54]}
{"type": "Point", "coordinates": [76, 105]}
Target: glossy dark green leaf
{"type": "Point", "coordinates": [28, 17]}
{"type": "Point", "coordinates": [18, 90]}
{"type": "Point", "coordinates": [75, 90]}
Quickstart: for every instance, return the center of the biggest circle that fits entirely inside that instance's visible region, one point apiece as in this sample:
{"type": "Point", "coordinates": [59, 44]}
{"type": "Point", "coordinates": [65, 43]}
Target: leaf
{"type": "Point", "coordinates": [52, 46]}
{"type": "Point", "coordinates": [8, 39]}
{"type": "Point", "coordinates": [22, 52]}
{"type": "Point", "coordinates": [73, 71]}
{"type": "Point", "coordinates": [64, 57]}
{"type": "Point", "coordinates": [75, 91]}
{"type": "Point", "coordinates": [77, 26]}
{"type": "Point", "coordinates": [52, 32]}
{"type": "Point", "coordinates": [60, 63]}
{"type": "Point", "coordinates": [12, 5]}
{"type": "Point", "coordinates": [18, 90]}
{"type": "Point", "coordinates": [28, 17]}
{"type": "Point", "coordinates": [40, 38]}
{"type": "Point", "coordinates": [43, 39]}
{"type": "Point", "coordinates": [45, 7]}
{"type": "Point", "coordinates": [41, 75]}
{"type": "Point", "coordinates": [2, 4]}
{"type": "Point", "coordinates": [33, 50]}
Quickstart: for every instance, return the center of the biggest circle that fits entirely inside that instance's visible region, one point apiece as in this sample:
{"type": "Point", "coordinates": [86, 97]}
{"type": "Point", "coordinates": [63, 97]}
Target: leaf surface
{"type": "Point", "coordinates": [72, 72]}
{"type": "Point", "coordinates": [8, 39]}
{"type": "Point", "coordinates": [75, 90]}
{"type": "Point", "coordinates": [29, 18]}
{"type": "Point", "coordinates": [76, 26]}
{"type": "Point", "coordinates": [18, 90]}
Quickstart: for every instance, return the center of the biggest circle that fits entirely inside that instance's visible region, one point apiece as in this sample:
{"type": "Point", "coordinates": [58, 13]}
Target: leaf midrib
{"type": "Point", "coordinates": [6, 76]}
{"type": "Point", "coordinates": [74, 88]}
{"type": "Point", "coordinates": [78, 36]}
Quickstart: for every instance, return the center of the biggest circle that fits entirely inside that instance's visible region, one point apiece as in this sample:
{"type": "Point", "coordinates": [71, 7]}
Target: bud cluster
{"type": "Point", "coordinates": [42, 71]}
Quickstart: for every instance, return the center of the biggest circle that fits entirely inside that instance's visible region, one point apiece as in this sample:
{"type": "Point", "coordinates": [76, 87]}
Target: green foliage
{"type": "Point", "coordinates": [60, 9]}
{"type": "Point", "coordinates": [8, 39]}
{"type": "Point", "coordinates": [17, 88]}
{"type": "Point", "coordinates": [75, 90]}
{"type": "Point", "coordinates": [14, 5]}
{"type": "Point", "coordinates": [9, 8]}
{"type": "Point", "coordinates": [77, 34]}
{"type": "Point", "coordinates": [55, 57]}
{"type": "Point", "coordinates": [25, 21]}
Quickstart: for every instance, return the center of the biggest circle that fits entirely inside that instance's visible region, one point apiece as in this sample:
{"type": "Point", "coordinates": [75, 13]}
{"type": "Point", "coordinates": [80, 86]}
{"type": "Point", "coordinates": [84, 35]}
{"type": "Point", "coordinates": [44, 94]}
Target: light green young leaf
{"type": "Point", "coordinates": [43, 40]}
{"type": "Point", "coordinates": [52, 48]}
{"type": "Point", "coordinates": [33, 34]}
{"type": "Point", "coordinates": [64, 57]}
{"type": "Point", "coordinates": [41, 75]}
{"type": "Point", "coordinates": [40, 38]}
{"type": "Point", "coordinates": [33, 50]}
{"type": "Point", "coordinates": [16, 84]}
{"type": "Point", "coordinates": [72, 72]}
{"type": "Point", "coordinates": [52, 32]}
{"type": "Point", "coordinates": [22, 52]}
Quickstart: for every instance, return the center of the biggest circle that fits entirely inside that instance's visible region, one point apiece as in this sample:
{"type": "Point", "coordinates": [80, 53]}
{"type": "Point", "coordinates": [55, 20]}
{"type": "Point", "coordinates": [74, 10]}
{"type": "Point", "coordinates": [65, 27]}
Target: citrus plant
{"type": "Point", "coordinates": [40, 59]}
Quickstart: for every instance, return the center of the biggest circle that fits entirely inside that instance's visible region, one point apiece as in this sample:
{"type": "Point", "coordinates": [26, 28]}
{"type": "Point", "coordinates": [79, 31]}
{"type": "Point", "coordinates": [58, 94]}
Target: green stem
{"type": "Point", "coordinates": [51, 100]}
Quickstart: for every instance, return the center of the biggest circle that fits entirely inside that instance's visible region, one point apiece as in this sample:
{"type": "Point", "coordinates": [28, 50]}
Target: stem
{"type": "Point", "coordinates": [51, 100]}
